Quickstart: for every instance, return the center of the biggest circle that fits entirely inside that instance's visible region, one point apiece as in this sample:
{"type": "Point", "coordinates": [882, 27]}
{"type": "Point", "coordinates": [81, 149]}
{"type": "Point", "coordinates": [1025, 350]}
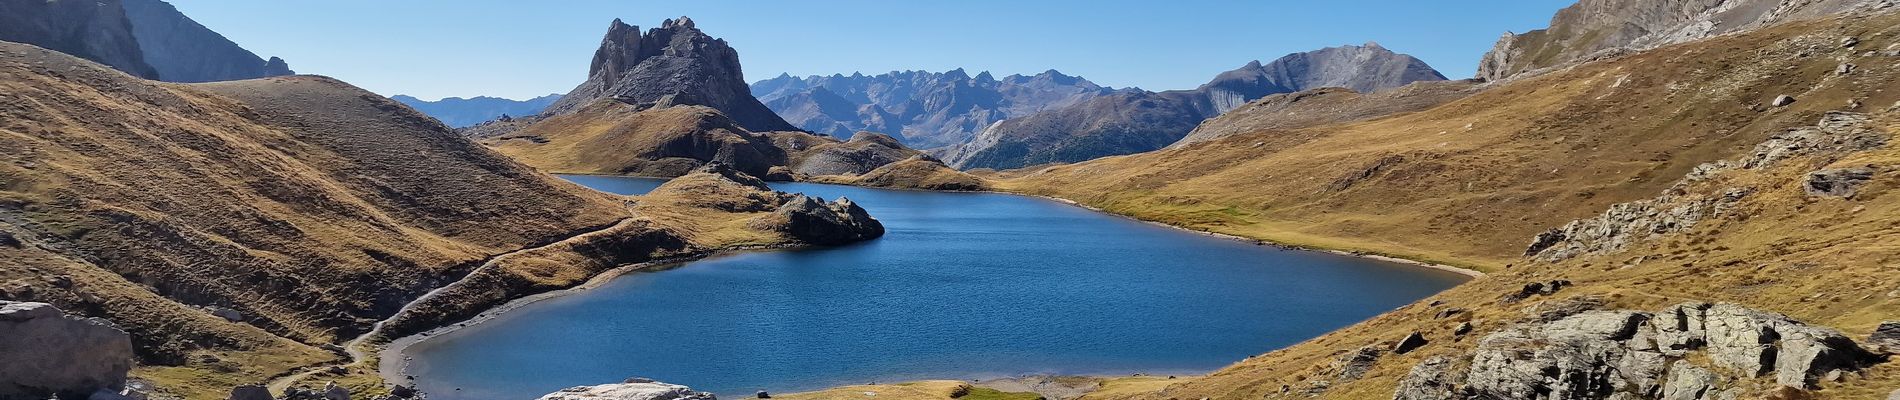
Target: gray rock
{"type": "Point", "coordinates": [1462, 329]}
{"type": "Point", "coordinates": [1623, 354]}
{"type": "Point", "coordinates": [1844, 69]}
{"type": "Point", "coordinates": [633, 389]}
{"type": "Point", "coordinates": [1688, 382]}
{"type": "Point", "coordinates": [1840, 182]}
{"type": "Point", "coordinates": [1886, 338]}
{"type": "Point", "coordinates": [125, 394]}
{"type": "Point", "coordinates": [181, 50]}
{"type": "Point", "coordinates": [1409, 343]}
{"type": "Point", "coordinates": [1782, 101]}
{"type": "Point", "coordinates": [1432, 379]}
{"type": "Point", "coordinates": [250, 392]}
{"type": "Point", "coordinates": [332, 391]}
{"type": "Point", "coordinates": [813, 221]}
{"type": "Point", "coordinates": [50, 354]}
{"type": "Point", "coordinates": [226, 313]}
{"type": "Point", "coordinates": [1353, 364]}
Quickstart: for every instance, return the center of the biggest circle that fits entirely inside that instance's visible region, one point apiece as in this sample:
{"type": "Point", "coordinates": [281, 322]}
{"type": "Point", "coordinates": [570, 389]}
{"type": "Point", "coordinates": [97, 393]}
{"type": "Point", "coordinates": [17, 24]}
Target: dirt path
{"type": "Point", "coordinates": [360, 349]}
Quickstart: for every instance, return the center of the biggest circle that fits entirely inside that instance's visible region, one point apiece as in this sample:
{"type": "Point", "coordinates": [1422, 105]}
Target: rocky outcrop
{"type": "Point", "coordinates": [1625, 354]}
{"type": "Point", "coordinates": [1841, 182]}
{"type": "Point", "coordinates": [249, 392]}
{"type": "Point", "coordinates": [93, 30]}
{"type": "Point", "coordinates": [865, 151]}
{"type": "Point", "coordinates": [923, 109]}
{"type": "Point", "coordinates": [1679, 210]}
{"type": "Point", "coordinates": [181, 50]}
{"type": "Point", "coordinates": [675, 64]}
{"type": "Point", "coordinates": [1594, 29]}
{"type": "Point", "coordinates": [1886, 338]}
{"type": "Point", "coordinates": [1137, 121]}
{"type": "Point", "coordinates": [458, 112]}
{"type": "Point", "coordinates": [632, 389]}
{"type": "Point", "coordinates": [812, 220]}
{"type": "Point", "coordinates": [49, 354]}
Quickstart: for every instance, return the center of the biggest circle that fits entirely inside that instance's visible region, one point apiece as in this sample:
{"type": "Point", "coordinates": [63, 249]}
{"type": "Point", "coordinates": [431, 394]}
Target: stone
{"type": "Point", "coordinates": [332, 391]}
{"type": "Point", "coordinates": [1354, 364]}
{"type": "Point", "coordinates": [1448, 312]}
{"type": "Point", "coordinates": [49, 354]}
{"type": "Point", "coordinates": [762, 394]}
{"type": "Point", "coordinates": [1462, 329]}
{"type": "Point", "coordinates": [1782, 101]}
{"type": "Point", "coordinates": [1844, 69]}
{"type": "Point", "coordinates": [1409, 343]}
{"type": "Point", "coordinates": [1432, 379]}
{"type": "Point", "coordinates": [1886, 338]}
{"type": "Point", "coordinates": [250, 392]}
{"type": "Point", "coordinates": [813, 221]}
{"type": "Point", "coordinates": [1688, 382]}
{"type": "Point", "coordinates": [1840, 182]}
{"type": "Point", "coordinates": [402, 391]}
{"type": "Point", "coordinates": [126, 394]}
{"type": "Point", "coordinates": [632, 389]}
{"type": "Point", "coordinates": [226, 313]}
{"type": "Point", "coordinates": [1850, 41]}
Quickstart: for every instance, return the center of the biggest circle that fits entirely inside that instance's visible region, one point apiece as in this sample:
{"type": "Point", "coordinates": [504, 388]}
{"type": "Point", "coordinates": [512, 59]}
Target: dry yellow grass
{"type": "Point", "coordinates": [919, 390]}
{"type": "Point", "coordinates": [610, 137]}
{"type": "Point", "coordinates": [1470, 182]}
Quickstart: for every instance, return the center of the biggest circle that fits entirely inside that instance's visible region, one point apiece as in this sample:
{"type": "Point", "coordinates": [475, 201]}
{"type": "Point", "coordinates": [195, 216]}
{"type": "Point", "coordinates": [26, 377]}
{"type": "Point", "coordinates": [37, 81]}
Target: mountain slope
{"type": "Point", "coordinates": [1602, 28]}
{"type": "Point", "coordinates": [1794, 220]}
{"type": "Point", "coordinates": [181, 50]}
{"type": "Point", "coordinates": [93, 30]}
{"type": "Point", "coordinates": [1323, 106]}
{"type": "Point", "coordinates": [923, 109]}
{"type": "Point", "coordinates": [237, 229]}
{"type": "Point", "coordinates": [458, 112]}
{"type": "Point", "coordinates": [1138, 121]}
{"type": "Point", "coordinates": [675, 64]}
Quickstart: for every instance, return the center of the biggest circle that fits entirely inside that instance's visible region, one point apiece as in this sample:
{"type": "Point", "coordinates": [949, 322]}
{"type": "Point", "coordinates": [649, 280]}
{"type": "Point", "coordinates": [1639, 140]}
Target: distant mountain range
{"type": "Point", "coordinates": [458, 112]}
{"type": "Point", "coordinates": [146, 38]}
{"type": "Point", "coordinates": [1135, 121]}
{"type": "Point", "coordinates": [924, 109]}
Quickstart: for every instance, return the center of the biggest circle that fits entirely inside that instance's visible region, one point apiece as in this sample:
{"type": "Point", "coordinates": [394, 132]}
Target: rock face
{"type": "Point", "coordinates": [181, 50]}
{"type": "Point", "coordinates": [50, 354]}
{"type": "Point", "coordinates": [675, 64]}
{"type": "Point", "coordinates": [1624, 354]}
{"type": "Point", "coordinates": [923, 109]}
{"type": "Point", "coordinates": [1137, 121]}
{"type": "Point", "coordinates": [1837, 182]}
{"type": "Point", "coordinates": [865, 151]}
{"type": "Point", "coordinates": [145, 38]}
{"type": "Point", "coordinates": [458, 112]}
{"type": "Point", "coordinates": [1886, 338]}
{"type": "Point", "coordinates": [632, 389]}
{"type": "Point", "coordinates": [1678, 210]}
{"type": "Point", "coordinates": [93, 30]}
{"type": "Point", "coordinates": [1593, 29]}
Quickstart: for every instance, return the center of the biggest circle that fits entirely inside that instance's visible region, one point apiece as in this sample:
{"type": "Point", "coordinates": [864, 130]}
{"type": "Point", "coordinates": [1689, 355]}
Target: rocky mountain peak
{"type": "Point", "coordinates": [675, 64]}
{"type": "Point", "coordinates": [1364, 69]}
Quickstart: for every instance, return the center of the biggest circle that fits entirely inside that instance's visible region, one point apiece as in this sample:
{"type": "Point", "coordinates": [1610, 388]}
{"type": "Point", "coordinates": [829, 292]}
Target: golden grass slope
{"type": "Point", "coordinates": [611, 137]}
{"type": "Point", "coordinates": [310, 206]}
{"type": "Point", "coordinates": [1470, 181]}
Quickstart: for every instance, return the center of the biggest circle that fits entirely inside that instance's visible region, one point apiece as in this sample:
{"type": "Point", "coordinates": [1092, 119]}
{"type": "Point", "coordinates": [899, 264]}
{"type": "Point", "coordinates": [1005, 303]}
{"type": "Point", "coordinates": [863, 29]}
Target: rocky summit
{"type": "Point", "coordinates": [1138, 121]}
{"type": "Point", "coordinates": [1595, 29]}
{"type": "Point", "coordinates": [632, 389]}
{"type": "Point", "coordinates": [675, 64]}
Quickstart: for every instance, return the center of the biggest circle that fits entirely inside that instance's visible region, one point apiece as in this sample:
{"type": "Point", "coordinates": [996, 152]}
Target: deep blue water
{"type": "Point", "coordinates": [963, 286]}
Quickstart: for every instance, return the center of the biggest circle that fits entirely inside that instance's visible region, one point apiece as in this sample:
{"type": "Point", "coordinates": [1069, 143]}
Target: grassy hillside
{"type": "Point", "coordinates": [611, 137]}
{"type": "Point", "coordinates": [242, 230]}
{"type": "Point", "coordinates": [1470, 182]}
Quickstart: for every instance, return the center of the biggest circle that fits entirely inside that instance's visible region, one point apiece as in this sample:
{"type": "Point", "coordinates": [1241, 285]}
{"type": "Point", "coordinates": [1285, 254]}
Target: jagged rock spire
{"type": "Point", "coordinates": [675, 64]}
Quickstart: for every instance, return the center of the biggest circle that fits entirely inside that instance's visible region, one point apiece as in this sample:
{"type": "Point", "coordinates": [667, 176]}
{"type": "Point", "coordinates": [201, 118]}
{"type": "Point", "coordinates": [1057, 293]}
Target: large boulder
{"type": "Point", "coordinates": [50, 354]}
{"type": "Point", "coordinates": [1886, 338]}
{"type": "Point", "coordinates": [632, 389]}
{"type": "Point", "coordinates": [1625, 354]}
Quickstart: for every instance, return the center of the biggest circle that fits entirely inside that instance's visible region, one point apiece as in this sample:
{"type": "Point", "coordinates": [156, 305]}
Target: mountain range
{"type": "Point", "coordinates": [922, 109]}
{"type": "Point", "coordinates": [146, 38]}
{"type": "Point", "coordinates": [458, 112]}
{"type": "Point", "coordinates": [1136, 121]}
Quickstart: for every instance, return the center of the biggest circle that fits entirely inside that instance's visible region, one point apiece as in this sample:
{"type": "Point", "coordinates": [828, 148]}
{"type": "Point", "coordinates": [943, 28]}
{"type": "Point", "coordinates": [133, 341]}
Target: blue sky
{"type": "Point", "coordinates": [519, 49]}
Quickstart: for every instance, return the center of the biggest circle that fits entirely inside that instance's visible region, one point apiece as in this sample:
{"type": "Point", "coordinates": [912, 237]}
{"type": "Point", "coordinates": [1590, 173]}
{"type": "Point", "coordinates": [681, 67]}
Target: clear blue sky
{"type": "Point", "coordinates": [518, 49]}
